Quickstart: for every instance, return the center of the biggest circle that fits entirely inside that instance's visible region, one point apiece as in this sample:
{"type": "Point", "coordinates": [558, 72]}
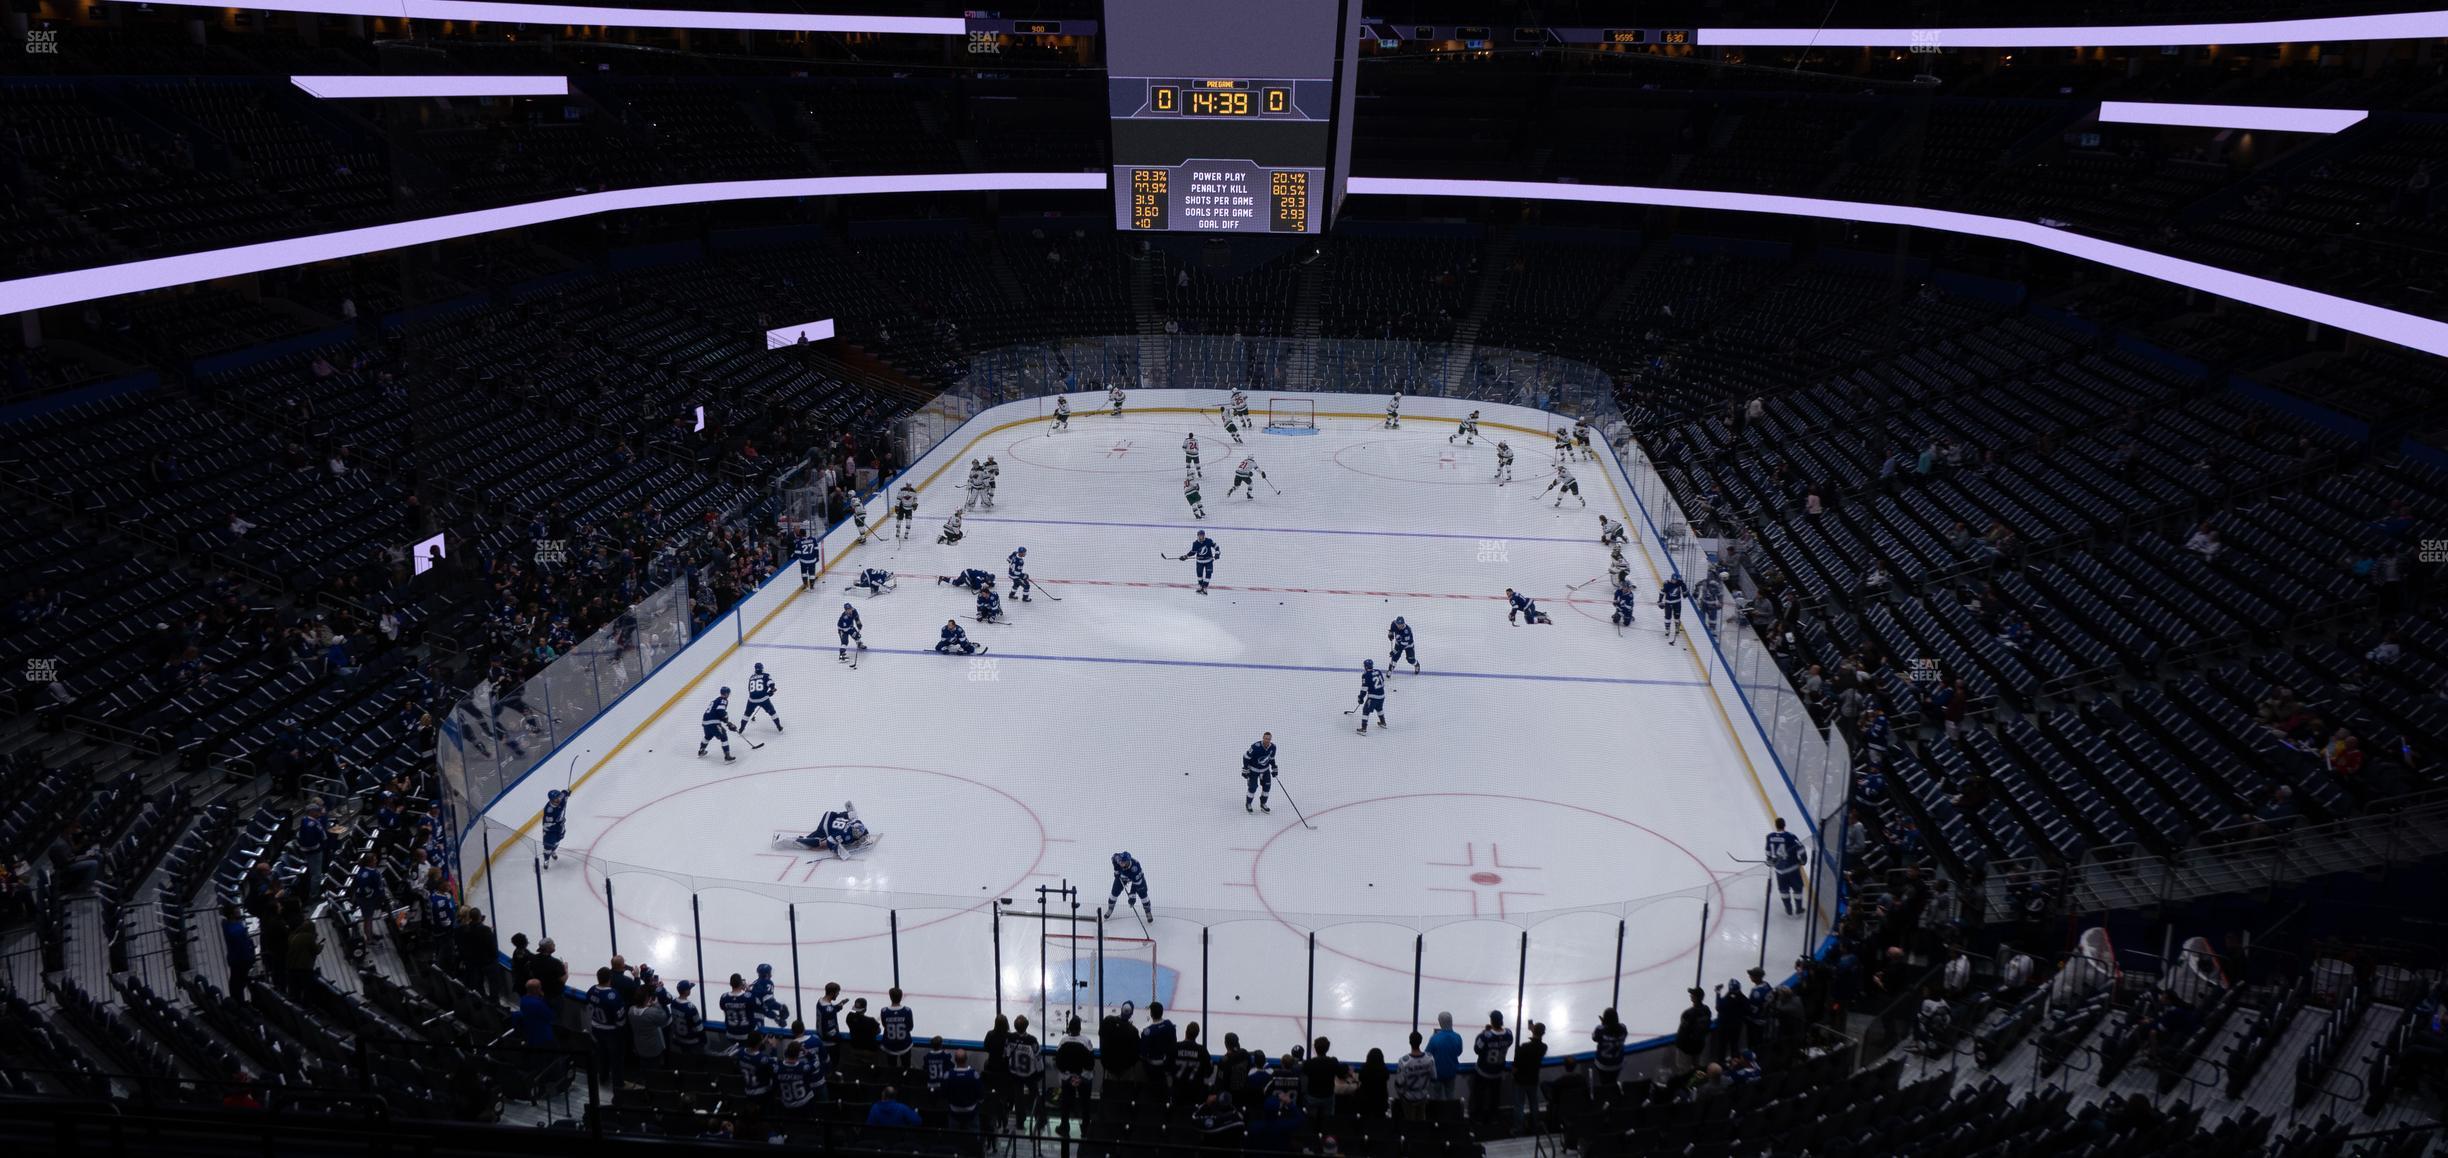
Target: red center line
{"type": "Point", "coordinates": [1567, 599]}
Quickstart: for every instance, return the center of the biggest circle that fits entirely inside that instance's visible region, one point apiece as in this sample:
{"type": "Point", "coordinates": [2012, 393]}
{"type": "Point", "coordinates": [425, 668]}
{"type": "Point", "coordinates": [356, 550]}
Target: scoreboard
{"type": "Point", "coordinates": [1229, 119]}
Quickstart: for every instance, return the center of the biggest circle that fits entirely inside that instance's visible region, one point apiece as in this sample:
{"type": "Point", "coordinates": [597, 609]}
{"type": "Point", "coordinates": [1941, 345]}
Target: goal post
{"type": "Point", "coordinates": [1289, 412]}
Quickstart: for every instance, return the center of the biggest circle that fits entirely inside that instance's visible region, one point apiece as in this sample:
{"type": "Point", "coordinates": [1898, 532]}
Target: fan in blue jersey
{"type": "Point", "coordinates": [1670, 602]}
{"type": "Point", "coordinates": [739, 1011]}
{"type": "Point", "coordinates": [1521, 605]}
{"type": "Point", "coordinates": [1372, 695]}
{"type": "Point", "coordinates": [556, 822]}
{"type": "Point", "coordinates": [1400, 633]}
{"type": "Point", "coordinates": [989, 606]}
{"type": "Point", "coordinates": [953, 641]}
{"type": "Point", "coordinates": [717, 723]}
{"type": "Point", "coordinates": [761, 991]}
{"type": "Point", "coordinates": [1786, 857]}
{"type": "Point", "coordinates": [839, 833]}
{"type": "Point", "coordinates": [1627, 606]}
{"type": "Point", "coordinates": [1017, 568]}
{"type": "Point", "coordinates": [1206, 552]}
{"type": "Point", "coordinates": [805, 554]}
{"type": "Point", "coordinates": [1258, 772]}
{"type": "Point", "coordinates": [847, 627]}
{"type": "Point", "coordinates": [1129, 876]}
{"type": "Point", "coordinates": [760, 698]}
{"type": "Point", "coordinates": [974, 578]}
{"type": "Point", "coordinates": [875, 581]}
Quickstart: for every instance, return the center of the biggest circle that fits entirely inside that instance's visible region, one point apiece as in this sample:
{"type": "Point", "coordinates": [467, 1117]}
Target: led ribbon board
{"type": "Point", "coordinates": [332, 88]}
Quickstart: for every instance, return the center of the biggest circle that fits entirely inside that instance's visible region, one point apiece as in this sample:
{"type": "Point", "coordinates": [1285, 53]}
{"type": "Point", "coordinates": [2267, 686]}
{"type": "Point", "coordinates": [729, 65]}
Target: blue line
{"type": "Point", "coordinates": [1474, 675]}
{"type": "Point", "coordinates": [1293, 530]}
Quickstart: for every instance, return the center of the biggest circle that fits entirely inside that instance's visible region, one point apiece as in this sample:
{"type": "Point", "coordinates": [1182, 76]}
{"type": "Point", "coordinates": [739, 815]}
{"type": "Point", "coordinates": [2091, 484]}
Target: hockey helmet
{"type": "Point", "coordinates": [555, 794]}
{"type": "Point", "coordinates": [1368, 665]}
{"type": "Point", "coordinates": [1020, 551]}
{"type": "Point", "coordinates": [1121, 858]}
{"type": "Point", "coordinates": [760, 667]}
{"type": "Point", "coordinates": [764, 970]}
{"type": "Point", "coordinates": [1398, 619]}
{"type": "Point", "coordinates": [849, 807]}
{"type": "Point", "coordinates": [726, 691]}
{"type": "Point", "coordinates": [847, 607]}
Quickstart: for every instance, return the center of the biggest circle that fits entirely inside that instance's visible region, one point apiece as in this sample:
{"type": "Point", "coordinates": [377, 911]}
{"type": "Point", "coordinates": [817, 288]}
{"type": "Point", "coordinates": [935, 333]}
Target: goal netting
{"type": "Point", "coordinates": [1122, 969]}
{"type": "Point", "coordinates": [1291, 413]}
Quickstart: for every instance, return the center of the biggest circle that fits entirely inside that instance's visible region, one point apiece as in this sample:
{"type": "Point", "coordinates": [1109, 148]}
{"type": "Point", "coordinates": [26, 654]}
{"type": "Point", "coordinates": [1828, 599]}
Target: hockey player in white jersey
{"type": "Point", "coordinates": [905, 508]}
{"type": "Point", "coordinates": [1581, 441]}
{"type": "Point", "coordinates": [1232, 425]}
{"type": "Point", "coordinates": [1062, 414]}
{"type": "Point", "coordinates": [1190, 495]}
{"type": "Point", "coordinates": [1619, 569]}
{"type": "Point", "coordinates": [1563, 444]}
{"type": "Point", "coordinates": [1468, 432]}
{"type": "Point", "coordinates": [1113, 398]}
{"type": "Point", "coordinates": [1190, 455]}
{"type": "Point", "coordinates": [858, 514]}
{"type": "Point", "coordinates": [974, 490]}
{"type": "Point", "coordinates": [760, 699]}
{"type": "Point", "coordinates": [1564, 484]}
{"type": "Point", "coordinates": [1238, 404]}
{"type": "Point", "coordinates": [1129, 876]}
{"type": "Point", "coordinates": [1610, 532]}
{"type": "Point", "coordinates": [1393, 418]}
{"type": "Point", "coordinates": [994, 478]}
{"type": "Point", "coordinates": [1372, 695]}
{"type": "Point", "coordinates": [1244, 475]}
{"type": "Point", "coordinates": [952, 532]}
{"type": "Point", "coordinates": [1504, 463]}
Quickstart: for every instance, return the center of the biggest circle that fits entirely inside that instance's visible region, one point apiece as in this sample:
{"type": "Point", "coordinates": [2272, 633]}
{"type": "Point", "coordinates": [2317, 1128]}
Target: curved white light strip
{"type": "Point", "coordinates": [52, 289]}
{"type": "Point", "coordinates": [2425, 334]}
{"type": "Point", "coordinates": [816, 331]}
{"type": "Point", "coordinates": [2327, 30]}
{"type": "Point", "coordinates": [2388, 325]}
{"type": "Point", "coordinates": [338, 88]}
{"type": "Point", "coordinates": [2272, 117]}
{"type": "Point", "coordinates": [485, 11]}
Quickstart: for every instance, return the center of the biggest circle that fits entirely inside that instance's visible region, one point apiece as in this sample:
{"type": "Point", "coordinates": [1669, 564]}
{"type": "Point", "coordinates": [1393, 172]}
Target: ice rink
{"type": "Point", "coordinates": [1546, 819]}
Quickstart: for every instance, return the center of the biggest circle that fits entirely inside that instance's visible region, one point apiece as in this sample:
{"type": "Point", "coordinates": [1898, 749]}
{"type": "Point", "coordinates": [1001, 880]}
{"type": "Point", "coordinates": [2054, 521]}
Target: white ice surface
{"type": "Point", "coordinates": [1553, 779]}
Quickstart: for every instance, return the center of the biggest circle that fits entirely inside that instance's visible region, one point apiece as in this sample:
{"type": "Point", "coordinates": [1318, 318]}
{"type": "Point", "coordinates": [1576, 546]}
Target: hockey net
{"type": "Point", "coordinates": [1291, 413]}
{"type": "Point", "coordinates": [1130, 971]}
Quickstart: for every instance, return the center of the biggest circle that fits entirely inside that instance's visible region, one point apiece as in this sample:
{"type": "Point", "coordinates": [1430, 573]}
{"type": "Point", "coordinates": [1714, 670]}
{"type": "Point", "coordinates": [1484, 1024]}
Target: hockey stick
{"type": "Point", "coordinates": [1296, 808]}
{"type": "Point", "coordinates": [1744, 860]}
{"type": "Point", "coordinates": [743, 735]}
{"type": "Point", "coordinates": [1271, 485]}
{"type": "Point", "coordinates": [1040, 588]}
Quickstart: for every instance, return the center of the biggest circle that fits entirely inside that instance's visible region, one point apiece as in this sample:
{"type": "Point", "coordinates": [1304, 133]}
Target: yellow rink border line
{"type": "Point", "coordinates": [527, 826]}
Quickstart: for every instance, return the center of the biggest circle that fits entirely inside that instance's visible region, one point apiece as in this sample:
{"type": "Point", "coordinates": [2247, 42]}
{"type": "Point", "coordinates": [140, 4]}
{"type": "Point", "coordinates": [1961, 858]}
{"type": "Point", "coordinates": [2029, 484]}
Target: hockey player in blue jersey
{"type": "Point", "coordinates": [717, 723]}
{"type": "Point", "coordinates": [1016, 565]}
{"type": "Point", "coordinates": [839, 833]}
{"type": "Point", "coordinates": [875, 581]}
{"type": "Point", "coordinates": [1206, 552]}
{"type": "Point", "coordinates": [1627, 605]}
{"type": "Point", "coordinates": [1258, 772]}
{"type": "Point", "coordinates": [1129, 876]}
{"type": "Point", "coordinates": [1522, 606]}
{"type": "Point", "coordinates": [846, 625]}
{"type": "Point", "coordinates": [989, 606]}
{"type": "Point", "coordinates": [1399, 633]}
{"type": "Point", "coordinates": [556, 822]}
{"type": "Point", "coordinates": [805, 553]}
{"type": "Point", "coordinates": [974, 578]}
{"type": "Point", "coordinates": [1372, 695]}
{"type": "Point", "coordinates": [761, 991]}
{"type": "Point", "coordinates": [953, 641]}
{"type": "Point", "coordinates": [760, 698]}
{"type": "Point", "coordinates": [1786, 857]}
{"type": "Point", "coordinates": [1670, 602]}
